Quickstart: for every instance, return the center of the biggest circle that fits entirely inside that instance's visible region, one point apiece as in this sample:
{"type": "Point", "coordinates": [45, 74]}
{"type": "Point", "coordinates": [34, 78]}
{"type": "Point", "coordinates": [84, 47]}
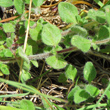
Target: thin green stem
{"type": "Point", "coordinates": [102, 96]}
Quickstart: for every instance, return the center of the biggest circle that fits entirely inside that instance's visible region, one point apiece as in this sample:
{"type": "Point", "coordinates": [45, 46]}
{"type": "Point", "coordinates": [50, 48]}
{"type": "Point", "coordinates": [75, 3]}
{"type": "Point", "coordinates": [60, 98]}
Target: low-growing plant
{"type": "Point", "coordinates": [74, 38]}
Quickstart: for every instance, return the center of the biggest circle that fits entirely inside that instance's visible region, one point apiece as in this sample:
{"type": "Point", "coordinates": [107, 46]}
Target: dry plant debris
{"type": "Point", "coordinates": [48, 83]}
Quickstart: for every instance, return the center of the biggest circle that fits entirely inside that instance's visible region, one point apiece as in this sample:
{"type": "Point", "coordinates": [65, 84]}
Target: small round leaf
{"type": "Point", "coordinates": [27, 105]}
{"type": "Point", "coordinates": [81, 43]}
{"type": "Point", "coordinates": [51, 35]}
{"type": "Point", "coordinates": [89, 72]}
{"type": "Point", "coordinates": [80, 95]}
{"type": "Point", "coordinates": [67, 12]}
{"type": "Point", "coordinates": [8, 27]}
{"type": "Point", "coordinates": [4, 69]}
{"type": "Point", "coordinates": [71, 72]}
{"type": "Point", "coordinates": [71, 93]}
{"type": "Point", "coordinates": [56, 63]}
{"type": "Point", "coordinates": [19, 5]}
{"type": "Point", "coordinates": [92, 90]}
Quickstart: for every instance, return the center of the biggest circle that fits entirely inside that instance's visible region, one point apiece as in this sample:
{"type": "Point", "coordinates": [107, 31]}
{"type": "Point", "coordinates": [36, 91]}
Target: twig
{"type": "Point", "coordinates": [104, 41]}
{"type": "Point", "coordinates": [99, 55]}
{"type": "Point", "coordinates": [45, 55]}
{"type": "Point", "coordinates": [39, 56]}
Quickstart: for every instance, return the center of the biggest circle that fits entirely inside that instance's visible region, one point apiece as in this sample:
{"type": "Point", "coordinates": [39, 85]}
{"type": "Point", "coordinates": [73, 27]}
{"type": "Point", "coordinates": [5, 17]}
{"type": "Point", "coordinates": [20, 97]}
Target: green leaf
{"type": "Point", "coordinates": [26, 66]}
{"type": "Point", "coordinates": [67, 40]}
{"type": "Point", "coordinates": [56, 62]}
{"type": "Point", "coordinates": [93, 91]}
{"type": "Point", "coordinates": [8, 108]}
{"type": "Point", "coordinates": [104, 81]}
{"type": "Point", "coordinates": [108, 94]}
{"type": "Point", "coordinates": [34, 33]}
{"type": "Point", "coordinates": [8, 27]}
{"type": "Point", "coordinates": [9, 42]}
{"type": "Point", "coordinates": [79, 31]}
{"type": "Point", "coordinates": [19, 5]}
{"type": "Point", "coordinates": [108, 103]}
{"type": "Point", "coordinates": [98, 15]}
{"type": "Point", "coordinates": [67, 12]}
{"type": "Point", "coordinates": [1, 99]}
{"type": "Point", "coordinates": [1, 47]}
{"type": "Point", "coordinates": [71, 72]}
{"type": "Point", "coordinates": [34, 46]}
{"type": "Point", "coordinates": [7, 53]}
{"type": "Point", "coordinates": [32, 23]}
{"type": "Point", "coordinates": [51, 35]}
{"type": "Point", "coordinates": [1, 64]}
{"type": "Point", "coordinates": [104, 32]}
{"type": "Point", "coordinates": [1, 53]}
{"type": "Point", "coordinates": [29, 50]}
{"type": "Point", "coordinates": [2, 37]}
{"type": "Point", "coordinates": [47, 49]}
{"type": "Point", "coordinates": [62, 78]}
{"type": "Point", "coordinates": [22, 30]}
{"type": "Point", "coordinates": [105, 50]}
{"type": "Point", "coordinates": [27, 1]}
{"type": "Point", "coordinates": [1, 74]}
{"type": "Point", "coordinates": [80, 95]}
{"type": "Point", "coordinates": [58, 48]}
{"type": "Point", "coordinates": [4, 69]}
{"type": "Point", "coordinates": [6, 3]}
{"type": "Point", "coordinates": [25, 76]}
{"type": "Point", "coordinates": [107, 10]}
{"type": "Point", "coordinates": [13, 36]}
{"type": "Point", "coordinates": [23, 55]}
{"type": "Point", "coordinates": [35, 63]}
{"type": "Point", "coordinates": [71, 93]}
{"type": "Point", "coordinates": [95, 46]}
{"type": "Point", "coordinates": [38, 3]}
{"type": "Point", "coordinates": [81, 43]}
{"type": "Point", "coordinates": [27, 105]}
{"type": "Point", "coordinates": [89, 72]}
{"type": "Point", "coordinates": [81, 20]}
